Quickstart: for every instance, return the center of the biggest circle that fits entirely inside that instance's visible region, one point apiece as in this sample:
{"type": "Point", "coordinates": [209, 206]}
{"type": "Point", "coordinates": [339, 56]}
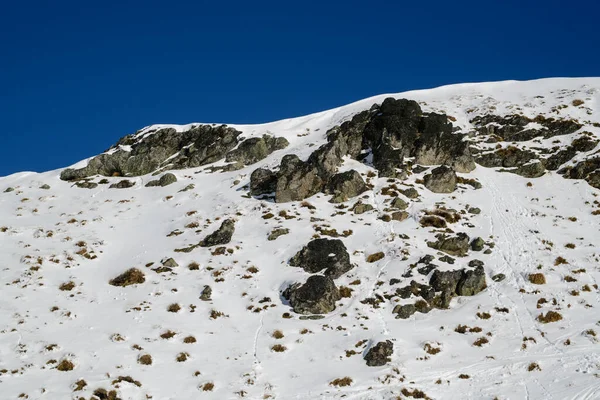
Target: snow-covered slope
{"type": "Point", "coordinates": [223, 348]}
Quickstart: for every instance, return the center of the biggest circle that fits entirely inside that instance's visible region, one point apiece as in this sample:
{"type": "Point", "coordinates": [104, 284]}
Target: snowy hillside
{"type": "Point", "coordinates": [227, 228]}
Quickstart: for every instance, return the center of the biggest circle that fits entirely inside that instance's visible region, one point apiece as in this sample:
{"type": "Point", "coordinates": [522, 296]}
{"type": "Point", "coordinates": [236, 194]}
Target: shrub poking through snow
{"type": "Point", "coordinates": [551, 316]}
{"type": "Point", "coordinates": [537, 279]}
{"type": "Point", "coordinates": [132, 276]}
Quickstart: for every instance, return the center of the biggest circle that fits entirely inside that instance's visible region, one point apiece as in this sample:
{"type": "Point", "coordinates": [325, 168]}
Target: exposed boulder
{"type": "Point", "coordinates": [455, 246]}
{"type": "Point", "coordinates": [262, 181]}
{"type": "Point", "coordinates": [411, 193]}
{"type": "Point", "coordinates": [255, 149]}
{"type": "Point", "coordinates": [471, 282]}
{"type": "Point", "coordinates": [162, 149]}
{"type": "Point", "coordinates": [380, 354]}
{"type": "Point", "coordinates": [508, 157]}
{"type": "Point", "coordinates": [221, 236]}
{"type": "Point", "coordinates": [399, 204]}
{"type": "Point", "coordinates": [45, 186]}
{"type": "Point", "coordinates": [206, 293]}
{"type": "Point", "coordinates": [164, 180]}
{"type": "Point", "coordinates": [345, 185]}
{"type": "Point", "coordinates": [317, 296]}
{"type": "Point", "coordinates": [361, 208]}
{"type": "Point", "coordinates": [445, 280]}
{"type": "Point", "coordinates": [330, 255]}
{"type": "Point", "coordinates": [441, 180]}
{"type": "Point", "coordinates": [86, 185]}
{"type": "Point", "coordinates": [404, 311]}
{"type": "Point", "coordinates": [170, 263]}
{"type": "Point", "coordinates": [296, 180]}
{"type": "Point", "coordinates": [532, 170]}
{"type": "Point", "coordinates": [477, 244]}
{"type": "Point", "coordinates": [123, 184]}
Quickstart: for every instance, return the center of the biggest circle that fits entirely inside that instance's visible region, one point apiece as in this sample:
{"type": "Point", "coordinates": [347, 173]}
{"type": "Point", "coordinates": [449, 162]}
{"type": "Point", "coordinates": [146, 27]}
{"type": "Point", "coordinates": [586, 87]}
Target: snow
{"type": "Point", "coordinates": [129, 227]}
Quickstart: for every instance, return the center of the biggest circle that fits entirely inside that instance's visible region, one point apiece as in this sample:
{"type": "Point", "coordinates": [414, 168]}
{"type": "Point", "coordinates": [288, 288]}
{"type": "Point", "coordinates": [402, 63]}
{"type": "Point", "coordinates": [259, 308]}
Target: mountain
{"type": "Point", "coordinates": [434, 244]}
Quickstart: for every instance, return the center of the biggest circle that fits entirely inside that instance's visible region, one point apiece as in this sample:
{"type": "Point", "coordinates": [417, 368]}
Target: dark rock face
{"type": "Point", "coordinates": [198, 146]}
{"type": "Point", "coordinates": [509, 157]}
{"type": "Point", "coordinates": [221, 236]}
{"type": "Point", "coordinates": [317, 296]}
{"type": "Point", "coordinates": [533, 170]}
{"type": "Point", "coordinates": [86, 185]}
{"type": "Point", "coordinates": [582, 144]}
{"type": "Point", "coordinates": [323, 254]}
{"type": "Point", "coordinates": [390, 132]}
{"type": "Point", "coordinates": [361, 208]}
{"type": "Point", "coordinates": [380, 354]}
{"type": "Point", "coordinates": [262, 181]}
{"type": "Point", "coordinates": [441, 180]}
{"type": "Point", "coordinates": [255, 149]}
{"type": "Point", "coordinates": [477, 244]}
{"type": "Point", "coordinates": [164, 180]}
{"type": "Point", "coordinates": [405, 311]}
{"type": "Point", "coordinates": [513, 127]}
{"type": "Point", "coordinates": [345, 185]}
{"type": "Point", "coordinates": [455, 246]}
{"type": "Point", "coordinates": [206, 293]}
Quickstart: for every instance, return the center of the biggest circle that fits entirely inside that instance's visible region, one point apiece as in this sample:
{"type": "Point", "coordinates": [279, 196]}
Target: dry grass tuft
{"type": "Point", "coordinates": [537, 279]}
{"type": "Point", "coordinates": [551, 316]}
{"type": "Point", "coordinates": [375, 257]}
{"type": "Point", "coordinates": [340, 382]}
{"type": "Point", "coordinates": [277, 334]}
{"type": "Point", "coordinates": [278, 348]}
{"type": "Point", "coordinates": [145, 359]}
{"type": "Point", "coordinates": [130, 277]}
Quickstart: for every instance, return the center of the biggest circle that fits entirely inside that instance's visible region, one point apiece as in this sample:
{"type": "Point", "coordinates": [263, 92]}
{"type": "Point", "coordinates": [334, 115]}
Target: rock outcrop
{"type": "Point", "coordinates": [345, 185]}
{"type": "Point", "coordinates": [330, 255]}
{"type": "Point", "coordinates": [441, 180]}
{"type": "Point", "coordinates": [317, 296]}
{"type": "Point", "coordinates": [221, 236]}
{"type": "Point", "coordinates": [255, 149]}
{"type": "Point", "coordinates": [165, 180]}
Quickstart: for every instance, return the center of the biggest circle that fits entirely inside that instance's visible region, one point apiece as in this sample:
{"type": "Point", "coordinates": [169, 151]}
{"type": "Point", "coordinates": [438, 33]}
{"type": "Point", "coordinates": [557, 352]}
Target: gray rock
{"type": "Point", "coordinates": [445, 280]}
{"type": "Point", "coordinates": [9, 189]}
{"type": "Point", "coordinates": [255, 149]}
{"type": "Point", "coordinates": [361, 208]}
{"type": "Point", "coordinates": [404, 311]}
{"type": "Point", "coordinates": [206, 293]}
{"type": "Point", "coordinates": [345, 185]}
{"type": "Point", "coordinates": [474, 210]}
{"type": "Point", "coordinates": [380, 354]}
{"type": "Point", "coordinates": [477, 244]}
{"type": "Point", "coordinates": [455, 246]}
{"type": "Point", "coordinates": [164, 180]}
{"type": "Point", "coordinates": [124, 184]}
{"type": "Point", "coordinates": [498, 277]}
{"type": "Point", "coordinates": [411, 193]}
{"type": "Point", "coordinates": [296, 180]}
{"type": "Point", "coordinates": [278, 232]}
{"type": "Point", "coordinates": [533, 170]}
{"type": "Point", "coordinates": [441, 180]}
{"type": "Point", "coordinates": [330, 255]}
{"type": "Point", "coordinates": [221, 236]}
{"type": "Point", "coordinates": [400, 216]}
{"type": "Point", "coordinates": [471, 282]}
{"type": "Point", "coordinates": [170, 263]}
{"type": "Point", "coordinates": [188, 187]}
{"type": "Point", "coordinates": [45, 187]}
{"type": "Point", "coordinates": [86, 185]}
{"type": "Point", "coordinates": [262, 181]}
{"type": "Point", "coordinates": [317, 296]}
{"type": "Point", "coordinates": [399, 204]}
{"type": "Point", "coordinates": [164, 149]}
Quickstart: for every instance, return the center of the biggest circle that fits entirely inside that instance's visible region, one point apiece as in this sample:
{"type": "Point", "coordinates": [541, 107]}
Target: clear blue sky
{"type": "Point", "coordinates": [77, 75]}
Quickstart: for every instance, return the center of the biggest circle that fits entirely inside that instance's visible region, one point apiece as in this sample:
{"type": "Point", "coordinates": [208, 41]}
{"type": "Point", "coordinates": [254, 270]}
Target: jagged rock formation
{"type": "Point", "coordinates": [390, 132]}
{"type": "Point", "coordinates": [221, 236]}
{"type": "Point", "coordinates": [255, 149]}
{"type": "Point", "coordinates": [380, 354]}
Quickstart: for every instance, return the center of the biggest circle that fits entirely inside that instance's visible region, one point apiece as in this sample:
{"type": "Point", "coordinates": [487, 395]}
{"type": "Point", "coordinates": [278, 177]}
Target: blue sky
{"type": "Point", "coordinates": [75, 76]}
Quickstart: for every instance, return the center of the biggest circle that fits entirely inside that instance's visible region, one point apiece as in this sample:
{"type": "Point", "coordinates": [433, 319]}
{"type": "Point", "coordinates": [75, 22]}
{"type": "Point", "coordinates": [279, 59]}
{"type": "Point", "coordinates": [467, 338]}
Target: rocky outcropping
{"type": "Point", "coordinates": [455, 246]}
{"type": "Point", "coordinates": [345, 185]}
{"type": "Point", "coordinates": [255, 149]}
{"type": "Point", "coordinates": [317, 296]}
{"type": "Point", "coordinates": [461, 282]}
{"type": "Point", "coordinates": [518, 128]}
{"type": "Point", "coordinates": [163, 149]}
{"type": "Point", "coordinates": [330, 255]}
{"type": "Point", "coordinates": [390, 132]}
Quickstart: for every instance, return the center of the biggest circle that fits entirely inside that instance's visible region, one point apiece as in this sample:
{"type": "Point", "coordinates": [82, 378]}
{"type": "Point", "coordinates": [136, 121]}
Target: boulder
{"type": "Point", "coordinates": [262, 181]}
{"type": "Point", "coordinates": [471, 282]}
{"type": "Point", "coordinates": [404, 311]}
{"type": "Point", "coordinates": [445, 280]}
{"type": "Point", "coordinates": [164, 180]}
{"type": "Point", "coordinates": [380, 354]}
{"type": "Point", "coordinates": [411, 193]}
{"type": "Point", "coordinates": [330, 255]}
{"type": "Point", "coordinates": [361, 208]}
{"type": "Point", "coordinates": [399, 204]}
{"type": "Point", "coordinates": [296, 180]}
{"type": "Point", "coordinates": [455, 246]}
{"type": "Point", "coordinates": [441, 180]}
{"type": "Point", "coordinates": [221, 236]}
{"type": "Point", "coordinates": [206, 293]}
{"type": "Point", "coordinates": [123, 184]}
{"type": "Point", "coordinates": [345, 185]}
{"type": "Point", "coordinates": [477, 244]}
{"type": "Point", "coordinates": [317, 296]}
